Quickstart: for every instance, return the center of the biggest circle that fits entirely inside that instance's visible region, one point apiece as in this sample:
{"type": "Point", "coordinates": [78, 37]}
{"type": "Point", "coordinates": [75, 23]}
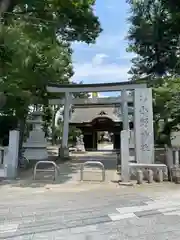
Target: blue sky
{"type": "Point", "coordinates": [107, 60]}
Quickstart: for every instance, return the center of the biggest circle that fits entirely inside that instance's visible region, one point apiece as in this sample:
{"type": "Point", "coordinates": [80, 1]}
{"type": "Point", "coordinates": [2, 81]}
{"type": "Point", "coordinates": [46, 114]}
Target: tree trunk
{"type": "Point", "coordinates": [6, 6]}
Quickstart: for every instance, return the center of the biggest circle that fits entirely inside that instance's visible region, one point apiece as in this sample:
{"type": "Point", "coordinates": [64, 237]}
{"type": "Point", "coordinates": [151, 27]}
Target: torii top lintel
{"type": "Point", "coordinates": [97, 87]}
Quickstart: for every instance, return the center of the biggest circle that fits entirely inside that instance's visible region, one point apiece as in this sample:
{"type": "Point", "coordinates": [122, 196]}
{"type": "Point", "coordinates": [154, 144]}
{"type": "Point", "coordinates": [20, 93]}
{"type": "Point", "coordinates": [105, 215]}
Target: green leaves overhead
{"type": "Point", "coordinates": [72, 19]}
{"type": "Point", "coordinates": [167, 108]}
{"type": "Point", "coordinates": [153, 37]}
{"type": "Point", "coordinates": [35, 45]}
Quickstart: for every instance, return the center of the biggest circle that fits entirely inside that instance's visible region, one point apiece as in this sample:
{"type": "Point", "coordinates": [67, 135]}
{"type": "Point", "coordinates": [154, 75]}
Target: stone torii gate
{"type": "Point", "coordinates": [143, 112]}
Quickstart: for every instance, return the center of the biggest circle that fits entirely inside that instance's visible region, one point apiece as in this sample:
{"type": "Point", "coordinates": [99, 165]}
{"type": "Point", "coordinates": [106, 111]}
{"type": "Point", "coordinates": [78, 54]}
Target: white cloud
{"type": "Point", "coordinates": [98, 59]}
{"type": "Point", "coordinates": [100, 73]}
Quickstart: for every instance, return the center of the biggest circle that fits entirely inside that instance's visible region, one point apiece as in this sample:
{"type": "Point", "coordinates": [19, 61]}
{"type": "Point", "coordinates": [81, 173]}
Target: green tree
{"type": "Point", "coordinates": [153, 38]}
{"type": "Point", "coordinates": [30, 66]}
{"type": "Point", "coordinates": [70, 19]}
{"type": "Point", "coordinates": [167, 109]}
{"type": "Point", "coordinates": [35, 47]}
{"type": "Point", "coordinates": [38, 34]}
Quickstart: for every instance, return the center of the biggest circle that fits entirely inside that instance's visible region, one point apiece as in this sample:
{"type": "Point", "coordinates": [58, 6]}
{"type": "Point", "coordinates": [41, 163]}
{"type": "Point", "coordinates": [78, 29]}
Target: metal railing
{"type": "Point", "coordinates": [92, 163]}
{"type": "Point", "coordinates": [55, 168]}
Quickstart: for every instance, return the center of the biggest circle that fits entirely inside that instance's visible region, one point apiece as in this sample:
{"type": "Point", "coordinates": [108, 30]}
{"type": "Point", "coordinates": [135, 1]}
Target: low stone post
{"type": "Point", "coordinates": [150, 176]}
{"type": "Point", "coordinates": [177, 157]}
{"type": "Point", "coordinates": [11, 158]}
{"type": "Point", "coordinates": [139, 177]}
{"type": "Point", "coordinates": [169, 160]}
{"type": "Point", "coordinates": [177, 176]}
{"type": "Point", "coordinates": [159, 175]}
{"type": "Point", "coordinates": [146, 174]}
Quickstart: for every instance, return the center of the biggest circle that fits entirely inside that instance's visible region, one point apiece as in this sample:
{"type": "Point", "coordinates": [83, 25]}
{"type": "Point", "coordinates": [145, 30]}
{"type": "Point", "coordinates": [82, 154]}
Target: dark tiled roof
{"type": "Point", "coordinates": [85, 114]}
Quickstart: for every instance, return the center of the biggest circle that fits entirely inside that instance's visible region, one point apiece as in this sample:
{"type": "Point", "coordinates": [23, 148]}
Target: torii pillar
{"type": "Point", "coordinates": [64, 149]}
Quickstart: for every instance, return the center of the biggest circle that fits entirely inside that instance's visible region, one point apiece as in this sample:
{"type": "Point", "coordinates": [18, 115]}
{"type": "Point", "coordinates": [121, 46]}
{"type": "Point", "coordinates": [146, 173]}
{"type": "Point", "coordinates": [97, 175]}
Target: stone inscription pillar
{"type": "Point", "coordinates": [143, 125]}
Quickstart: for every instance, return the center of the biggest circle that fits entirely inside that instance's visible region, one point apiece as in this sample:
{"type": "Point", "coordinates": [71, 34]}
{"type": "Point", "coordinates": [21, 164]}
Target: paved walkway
{"type": "Point", "coordinates": [151, 212]}
{"type": "Point", "coordinates": [68, 209]}
{"type": "Point", "coordinates": [105, 146]}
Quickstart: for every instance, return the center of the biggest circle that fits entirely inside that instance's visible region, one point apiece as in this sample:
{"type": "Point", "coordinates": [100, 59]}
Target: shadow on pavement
{"type": "Point", "coordinates": [108, 159]}
{"type": "Point", "coordinates": [25, 178]}
{"type": "Point", "coordinates": [69, 172]}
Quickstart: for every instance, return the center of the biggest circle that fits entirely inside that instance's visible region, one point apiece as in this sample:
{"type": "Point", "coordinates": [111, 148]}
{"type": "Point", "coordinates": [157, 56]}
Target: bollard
{"type": "Point", "coordinates": [55, 170]}
{"type": "Point", "coordinates": [177, 176]}
{"type": "Point", "coordinates": [92, 163]}
{"type": "Point", "coordinates": [145, 172]}
{"type": "Point", "coordinates": [159, 175]}
{"type": "Point", "coordinates": [139, 177]}
{"type": "Point", "coordinates": [173, 174]}
{"type": "Point", "coordinates": [150, 176]}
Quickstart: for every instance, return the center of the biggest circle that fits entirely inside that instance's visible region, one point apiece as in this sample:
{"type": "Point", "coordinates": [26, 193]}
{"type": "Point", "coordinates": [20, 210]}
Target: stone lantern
{"type": "Point", "coordinates": [36, 144]}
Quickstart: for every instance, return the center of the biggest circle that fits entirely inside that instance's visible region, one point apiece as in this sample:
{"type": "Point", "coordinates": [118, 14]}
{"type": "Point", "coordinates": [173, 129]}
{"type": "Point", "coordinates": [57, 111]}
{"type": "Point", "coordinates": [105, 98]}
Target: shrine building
{"type": "Point", "coordinates": [91, 119]}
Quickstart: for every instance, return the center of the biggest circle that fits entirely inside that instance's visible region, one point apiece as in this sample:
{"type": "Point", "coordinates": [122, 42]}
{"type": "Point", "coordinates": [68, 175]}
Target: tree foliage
{"type": "Point", "coordinates": [154, 38]}
{"type": "Point", "coordinates": [71, 19]}
{"type": "Point", "coordinates": [166, 109]}
{"type": "Point", "coordinates": [35, 49]}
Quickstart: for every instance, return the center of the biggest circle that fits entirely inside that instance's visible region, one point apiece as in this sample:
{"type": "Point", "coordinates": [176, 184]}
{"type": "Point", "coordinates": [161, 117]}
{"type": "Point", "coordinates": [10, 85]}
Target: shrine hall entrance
{"type": "Point", "coordinates": [102, 134]}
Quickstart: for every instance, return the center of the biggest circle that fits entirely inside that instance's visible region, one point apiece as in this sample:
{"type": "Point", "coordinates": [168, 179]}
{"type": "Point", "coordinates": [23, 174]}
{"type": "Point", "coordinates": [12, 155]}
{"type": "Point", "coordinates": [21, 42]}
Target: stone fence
{"type": "Point", "coordinates": [160, 154]}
